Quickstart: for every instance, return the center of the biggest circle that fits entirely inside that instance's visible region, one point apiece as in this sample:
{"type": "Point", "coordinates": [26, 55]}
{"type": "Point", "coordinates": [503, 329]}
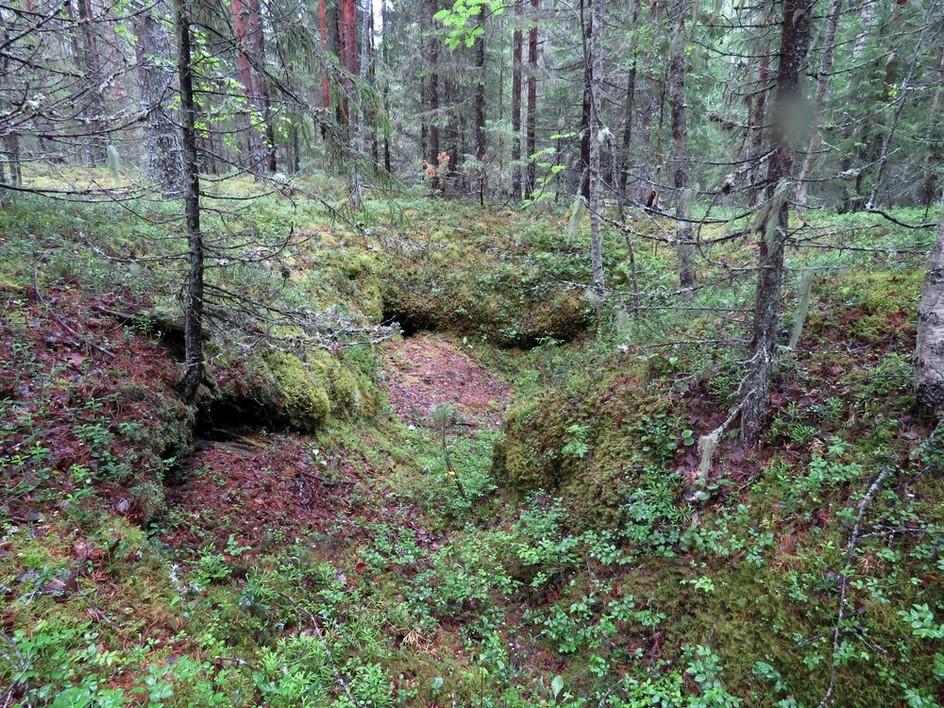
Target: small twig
{"type": "Point", "coordinates": [45, 303]}
{"type": "Point", "coordinates": [844, 578]}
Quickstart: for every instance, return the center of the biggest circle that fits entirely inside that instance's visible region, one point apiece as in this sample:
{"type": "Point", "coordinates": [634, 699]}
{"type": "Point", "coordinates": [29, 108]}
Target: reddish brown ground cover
{"type": "Point", "coordinates": [66, 362]}
{"type": "Point", "coordinates": [423, 371]}
{"type": "Point", "coordinates": [255, 487]}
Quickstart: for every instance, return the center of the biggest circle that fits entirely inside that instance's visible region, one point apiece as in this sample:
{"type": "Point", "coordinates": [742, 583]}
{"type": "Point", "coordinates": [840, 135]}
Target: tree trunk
{"type": "Point", "coordinates": [587, 109]}
{"type": "Point", "coordinates": [372, 80]}
{"type": "Point", "coordinates": [755, 391]}
{"type": "Point", "coordinates": [531, 122]}
{"type": "Point", "coordinates": [929, 353]}
{"type": "Point", "coordinates": [755, 121]}
{"type": "Point", "coordinates": [680, 157]}
{"type": "Point", "coordinates": [193, 290]}
{"type": "Point", "coordinates": [516, 106]}
{"type": "Point", "coordinates": [935, 142]}
{"type": "Point", "coordinates": [163, 159]}
{"type": "Point", "coordinates": [97, 142]}
{"type": "Point", "coordinates": [864, 23]}
{"type": "Point", "coordinates": [628, 107]}
{"type": "Point", "coordinates": [386, 89]}
{"type": "Point", "coordinates": [325, 47]}
{"type": "Point", "coordinates": [247, 28]}
{"type": "Point", "coordinates": [357, 114]}
{"type": "Point", "coordinates": [596, 125]}
{"type": "Point", "coordinates": [480, 146]}
{"type": "Point", "coordinates": [432, 88]}
{"type": "Point", "coordinates": [822, 90]}
{"type": "Point", "coordinates": [903, 93]}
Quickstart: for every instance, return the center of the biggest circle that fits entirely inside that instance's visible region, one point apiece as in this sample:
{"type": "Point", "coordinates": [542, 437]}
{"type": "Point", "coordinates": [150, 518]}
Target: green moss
{"type": "Point", "coordinates": [588, 442]}
{"type": "Point", "coordinates": [303, 394]}
{"type": "Point", "coordinates": [872, 306]}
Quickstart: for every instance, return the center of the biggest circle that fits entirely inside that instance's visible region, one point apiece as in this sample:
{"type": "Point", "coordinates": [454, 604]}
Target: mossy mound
{"type": "Point", "coordinates": [461, 290]}
{"type": "Point", "coordinates": [589, 443]}
{"type": "Point", "coordinates": [297, 392]}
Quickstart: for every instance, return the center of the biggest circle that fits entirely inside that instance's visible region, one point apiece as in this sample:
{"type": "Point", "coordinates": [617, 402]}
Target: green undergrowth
{"type": "Point", "coordinates": [566, 559]}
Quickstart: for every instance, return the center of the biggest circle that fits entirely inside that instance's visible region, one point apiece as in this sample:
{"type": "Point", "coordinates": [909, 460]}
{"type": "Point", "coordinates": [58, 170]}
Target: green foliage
{"type": "Point", "coordinates": [301, 393]}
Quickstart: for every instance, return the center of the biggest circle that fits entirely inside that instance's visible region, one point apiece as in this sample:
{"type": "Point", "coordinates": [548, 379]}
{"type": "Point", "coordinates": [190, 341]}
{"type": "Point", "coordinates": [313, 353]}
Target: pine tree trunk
{"type": "Point", "coordinates": [822, 91]}
{"type": "Point", "coordinates": [480, 146]}
{"type": "Point", "coordinates": [325, 47]}
{"type": "Point", "coordinates": [864, 23]}
{"type": "Point", "coordinates": [386, 89]}
{"type": "Point", "coordinates": [357, 115]}
{"type": "Point", "coordinates": [163, 159]}
{"type": "Point", "coordinates": [531, 121]}
{"type": "Point", "coordinates": [680, 158]}
{"type": "Point", "coordinates": [193, 289]}
{"type": "Point", "coordinates": [432, 88]}
{"type": "Point", "coordinates": [516, 106]}
{"type": "Point", "coordinates": [596, 125]}
{"type": "Point", "coordinates": [794, 41]}
{"type": "Point", "coordinates": [901, 99]}
{"type": "Point", "coordinates": [929, 352]}
{"type": "Point", "coordinates": [372, 80]}
{"type": "Point", "coordinates": [247, 28]}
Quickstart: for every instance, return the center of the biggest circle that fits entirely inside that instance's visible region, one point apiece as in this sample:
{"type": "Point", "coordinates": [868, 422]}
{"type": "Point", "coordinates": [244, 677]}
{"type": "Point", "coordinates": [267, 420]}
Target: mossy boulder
{"type": "Point", "coordinates": [299, 392]}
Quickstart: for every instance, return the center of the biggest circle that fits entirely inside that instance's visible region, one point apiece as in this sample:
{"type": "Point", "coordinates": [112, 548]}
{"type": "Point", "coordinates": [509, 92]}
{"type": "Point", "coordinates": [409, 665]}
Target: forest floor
{"type": "Point", "coordinates": [498, 509]}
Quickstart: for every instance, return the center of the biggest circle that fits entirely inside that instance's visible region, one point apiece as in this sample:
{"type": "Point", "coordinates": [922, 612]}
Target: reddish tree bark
{"type": "Point", "coordinates": [323, 32]}
{"type": "Point", "coordinates": [480, 147]}
{"type": "Point", "coordinates": [347, 36]}
{"type": "Point", "coordinates": [247, 26]}
{"type": "Point", "coordinates": [432, 97]}
{"type": "Point", "coordinates": [516, 106]}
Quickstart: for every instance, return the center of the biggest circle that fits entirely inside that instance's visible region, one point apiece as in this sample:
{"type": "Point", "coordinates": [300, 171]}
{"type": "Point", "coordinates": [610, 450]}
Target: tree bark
{"type": "Point", "coordinates": [386, 89]}
{"type": "Point", "coordinates": [531, 122]}
{"type": "Point", "coordinates": [325, 47]}
{"type": "Point", "coordinates": [685, 247]}
{"type": "Point", "coordinates": [628, 108]}
{"type": "Point", "coordinates": [596, 125]}
{"type": "Point", "coordinates": [904, 91]}
{"type": "Point", "coordinates": [864, 23]}
{"type": "Point", "coordinates": [358, 115]}
{"type": "Point", "coordinates": [516, 105]}
{"type": "Point", "coordinates": [755, 391]}
{"type": "Point", "coordinates": [163, 160]}
{"type": "Point", "coordinates": [756, 116]}
{"type": "Point", "coordinates": [819, 100]}
{"type": "Point", "coordinates": [247, 27]}
{"type": "Point", "coordinates": [929, 352]}
{"type": "Point", "coordinates": [432, 88]}
{"type": "Point", "coordinates": [193, 290]}
{"type": "Point", "coordinates": [480, 145]}
{"type": "Point", "coordinates": [587, 109]}
{"type": "Point", "coordinates": [97, 152]}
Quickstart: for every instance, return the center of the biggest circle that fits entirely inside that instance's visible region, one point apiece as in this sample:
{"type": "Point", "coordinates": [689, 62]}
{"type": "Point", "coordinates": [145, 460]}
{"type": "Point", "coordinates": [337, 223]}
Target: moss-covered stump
{"type": "Point", "coordinates": [296, 392]}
